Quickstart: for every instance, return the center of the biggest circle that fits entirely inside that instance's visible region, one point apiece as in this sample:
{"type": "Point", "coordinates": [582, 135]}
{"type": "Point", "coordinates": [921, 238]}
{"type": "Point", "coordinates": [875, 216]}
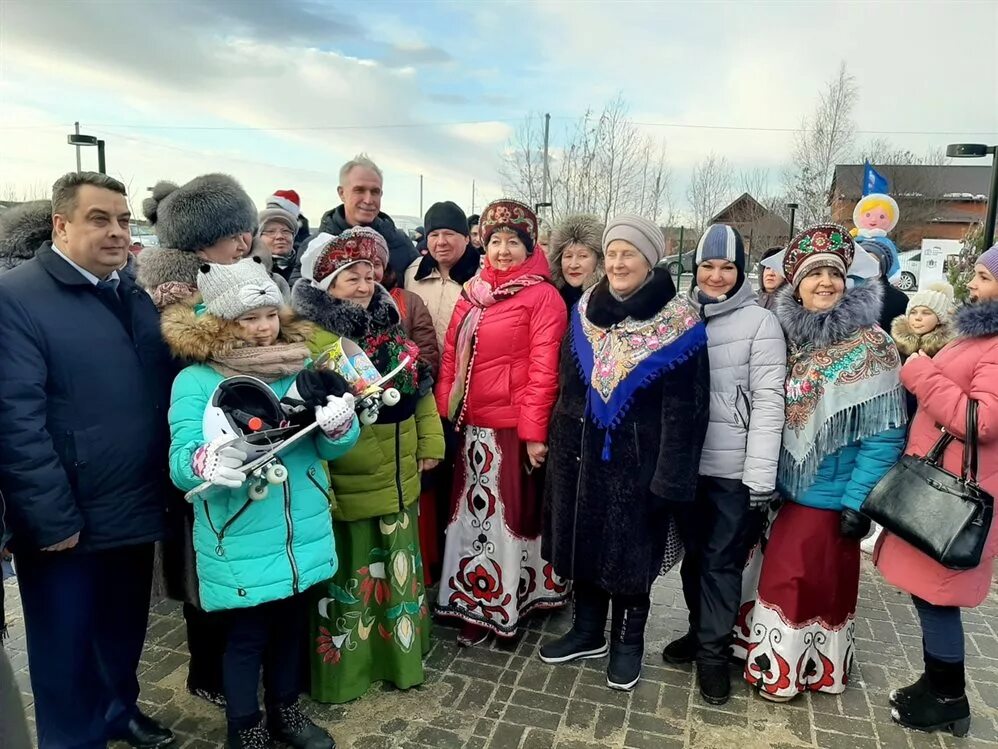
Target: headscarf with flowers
{"type": "Point", "coordinates": [619, 360]}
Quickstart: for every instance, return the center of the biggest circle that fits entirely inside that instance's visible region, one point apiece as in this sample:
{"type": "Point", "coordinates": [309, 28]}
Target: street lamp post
{"type": "Point", "coordinates": [976, 151]}
{"type": "Point", "coordinates": [793, 215]}
{"type": "Point", "coordinates": [77, 140]}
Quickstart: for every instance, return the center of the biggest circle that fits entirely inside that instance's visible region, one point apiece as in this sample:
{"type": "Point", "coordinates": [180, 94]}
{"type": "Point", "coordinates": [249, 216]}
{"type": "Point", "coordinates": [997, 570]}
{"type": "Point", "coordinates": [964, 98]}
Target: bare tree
{"type": "Point", "coordinates": [522, 171]}
{"type": "Point", "coordinates": [22, 193]}
{"type": "Point", "coordinates": [604, 166]}
{"type": "Point", "coordinates": [825, 139]}
{"type": "Point", "coordinates": [710, 186]}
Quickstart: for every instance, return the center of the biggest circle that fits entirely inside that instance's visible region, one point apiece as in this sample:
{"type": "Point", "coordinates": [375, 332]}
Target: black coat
{"type": "Point", "coordinates": [84, 393]}
{"type": "Point", "coordinates": [401, 252]}
{"type": "Point", "coordinates": [895, 304]}
{"type": "Point", "coordinates": [606, 522]}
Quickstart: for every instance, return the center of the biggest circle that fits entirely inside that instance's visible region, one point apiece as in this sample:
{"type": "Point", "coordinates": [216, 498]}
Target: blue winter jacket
{"type": "Point", "coordinates": [84, 387]}
{"type": "Point", "coordinates": [846, 476]}
{"type": "Point", "coordinates": [251, 552]}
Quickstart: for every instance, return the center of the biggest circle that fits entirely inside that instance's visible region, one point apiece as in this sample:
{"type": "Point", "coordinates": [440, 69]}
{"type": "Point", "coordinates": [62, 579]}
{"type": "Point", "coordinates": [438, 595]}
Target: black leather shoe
{"type": "Point", "coordinates": [289, 724]}
{"type": "Point", "coordinates": [143, 732]}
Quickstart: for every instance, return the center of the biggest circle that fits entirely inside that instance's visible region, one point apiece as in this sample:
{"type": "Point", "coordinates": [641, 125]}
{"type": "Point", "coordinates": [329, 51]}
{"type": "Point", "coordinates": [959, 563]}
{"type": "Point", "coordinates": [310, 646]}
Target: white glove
{"type": "Point", "coordinates": [219, 462]}
{"type": "Point", "coordinates": [335, 418]}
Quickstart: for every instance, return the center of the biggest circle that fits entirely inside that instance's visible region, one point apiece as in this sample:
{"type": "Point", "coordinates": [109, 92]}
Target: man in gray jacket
{"type": "Point", "coordinates": [748, 363]}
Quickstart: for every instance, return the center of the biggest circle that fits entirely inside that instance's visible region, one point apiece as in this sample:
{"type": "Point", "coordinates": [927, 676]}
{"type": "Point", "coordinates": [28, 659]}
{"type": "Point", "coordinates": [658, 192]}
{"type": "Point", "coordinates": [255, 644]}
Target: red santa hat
{"type": "Point", "coordinates": [287, 200]}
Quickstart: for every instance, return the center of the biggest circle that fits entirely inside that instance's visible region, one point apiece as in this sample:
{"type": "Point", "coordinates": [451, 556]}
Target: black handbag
{"type": "Point", "coordinates": [943, 515]}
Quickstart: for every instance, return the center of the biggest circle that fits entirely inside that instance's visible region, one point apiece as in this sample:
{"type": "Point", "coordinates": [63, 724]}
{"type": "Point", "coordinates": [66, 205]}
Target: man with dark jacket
{"type": "Point", "coordinates": [84, 389]}
{"type": "Point", "coordinates": [361, 191]}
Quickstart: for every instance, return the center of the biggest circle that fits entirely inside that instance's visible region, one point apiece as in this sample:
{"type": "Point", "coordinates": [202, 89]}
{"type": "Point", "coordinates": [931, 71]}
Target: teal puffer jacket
{"type": "Point", "coordinates": [249, 552]}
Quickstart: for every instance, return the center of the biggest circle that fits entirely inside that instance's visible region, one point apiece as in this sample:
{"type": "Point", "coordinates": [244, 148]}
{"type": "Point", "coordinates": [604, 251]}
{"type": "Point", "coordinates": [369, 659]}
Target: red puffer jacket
{"type": "Point", "coordinates": [514, 371]}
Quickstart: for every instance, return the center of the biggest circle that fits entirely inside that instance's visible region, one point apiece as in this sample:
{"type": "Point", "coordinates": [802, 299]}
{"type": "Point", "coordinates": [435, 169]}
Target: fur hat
{"type": "Point", "coordinates": [511, 215]}
{"type": "Point", "coordinates": [646, 237]}
{"type": "Point", "coordinates": [198, 214]}
{"type": "Point", "coordinates": [818, 246]}
{"type": "Point", "coordinates": [938, 297]}
{"type": "Point", "coordinates": [579, 228]}
{"type": "Point", "coordinates": [23, 229]}
{"type": "Point", "coordinates": [229, 291]}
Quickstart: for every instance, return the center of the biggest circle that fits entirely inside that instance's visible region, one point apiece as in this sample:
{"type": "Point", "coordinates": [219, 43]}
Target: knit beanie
{"type": "Point", "coordinates": [327, 255]}
{"type": "Point", "coordinates": [229, 291]}
{"type": "Point", "coordinates": [286, 200]}
{"type": "Point", "coordinates": [646, 237]}
{"type": "Point", "coordinates": [198, 214]}
{"type": "Point", "coordinates": [989, 259]}
{"type": "Point", "coordinates": [721, 242]}
{"type": "Point", "coordinates": [277, 215]}
{"type": "Point", "coordinates": [511, 215]}
{"type": "Point", "coordinates": [938, 297]}
{"type": "Point", "coordinates": [447, 215]}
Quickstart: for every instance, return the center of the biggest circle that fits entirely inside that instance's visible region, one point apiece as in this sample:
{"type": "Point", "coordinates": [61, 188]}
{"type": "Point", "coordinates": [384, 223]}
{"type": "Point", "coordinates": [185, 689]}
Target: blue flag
{"type": "Point", "coordinates": [873, 181]}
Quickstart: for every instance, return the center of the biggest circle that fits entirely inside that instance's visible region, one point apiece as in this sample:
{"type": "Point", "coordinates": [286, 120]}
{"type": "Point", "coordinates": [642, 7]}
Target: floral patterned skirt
{"type": "Point", "coordinates": [493, 572]}
{"type": "Point", "coordinates": [803, 622]}
{"type": "Point", "coordinates": [371, 621]}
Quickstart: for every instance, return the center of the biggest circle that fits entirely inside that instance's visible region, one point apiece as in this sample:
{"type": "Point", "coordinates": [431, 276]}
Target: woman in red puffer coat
{"type": "Point", "coordinates": [498, 385]}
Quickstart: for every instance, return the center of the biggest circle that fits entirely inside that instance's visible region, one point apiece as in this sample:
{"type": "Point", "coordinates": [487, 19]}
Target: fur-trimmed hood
{"type": "Point", "coordinates": [160, 265]}
{"type": "Point", "coordinates": [976, 320]}
{"type": "Point", "coordinates": [859, 308]}
{"type": "Point", "coordinates": [23, 229]}
{"type": "Point", "coordinates": [581, 229]}
{"type": "Point", "coordinates": [196, 338]}
{"type": "Point", "coordinates": [908, 342]}
{"type": "Point", "coordinates": [341, 317]}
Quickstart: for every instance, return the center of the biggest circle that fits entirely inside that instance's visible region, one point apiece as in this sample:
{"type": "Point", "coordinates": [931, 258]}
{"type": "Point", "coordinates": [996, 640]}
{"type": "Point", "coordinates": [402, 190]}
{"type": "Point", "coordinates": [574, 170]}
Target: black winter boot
{"type": "Point", "coordinates": [586, 638]}
{"type": "Point", "coordinates": [289, 724]}
{"type": "Point", "coordinates": [937, 701]}
{"type": "Point", "coordinates": [249, 738]}
{"type": "Point", "coordinates": [627, 641]}
{"type": "Point", "coordinates": [681, 651]}
{"type": "Point", "coordinates": [715, 682]}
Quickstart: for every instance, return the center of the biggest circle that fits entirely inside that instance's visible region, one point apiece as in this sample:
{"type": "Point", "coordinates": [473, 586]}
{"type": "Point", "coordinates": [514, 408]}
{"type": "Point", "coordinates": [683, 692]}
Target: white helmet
{"type": "Point", "coordinates": [246, 410]}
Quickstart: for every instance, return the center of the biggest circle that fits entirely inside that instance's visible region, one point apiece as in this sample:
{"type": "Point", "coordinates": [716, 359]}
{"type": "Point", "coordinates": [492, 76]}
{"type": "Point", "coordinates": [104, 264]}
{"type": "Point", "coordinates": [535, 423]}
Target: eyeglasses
{"type": "Point", "coordinates": [277, 233]}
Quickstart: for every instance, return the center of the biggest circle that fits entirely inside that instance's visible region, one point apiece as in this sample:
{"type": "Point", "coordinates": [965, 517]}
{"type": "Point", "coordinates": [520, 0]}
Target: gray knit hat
{"type": "Point", "coordinates": [278, 215]}
{"type": "Point", "coordinates": [646, 237]}
{"type": "Point", "coordinates": [229, 291]}
{"type": "Point", "coordinates": [198, 214]}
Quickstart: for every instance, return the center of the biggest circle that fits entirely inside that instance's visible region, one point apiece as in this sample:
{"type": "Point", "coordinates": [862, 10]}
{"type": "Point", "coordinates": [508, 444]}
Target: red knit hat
{"type": "Point", "coordinates": [287, 200]}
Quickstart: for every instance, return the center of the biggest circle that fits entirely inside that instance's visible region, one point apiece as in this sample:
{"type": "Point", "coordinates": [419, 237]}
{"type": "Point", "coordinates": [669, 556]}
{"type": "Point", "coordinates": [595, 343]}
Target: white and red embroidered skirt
{"type": "Point", "coordinates": [801, 628]}
{"type": "Point", "coordinates": [493, 573]}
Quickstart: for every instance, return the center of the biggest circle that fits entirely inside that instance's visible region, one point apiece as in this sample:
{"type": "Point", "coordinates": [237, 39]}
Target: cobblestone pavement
{"type": "Point", "coordinates": [503, 697]}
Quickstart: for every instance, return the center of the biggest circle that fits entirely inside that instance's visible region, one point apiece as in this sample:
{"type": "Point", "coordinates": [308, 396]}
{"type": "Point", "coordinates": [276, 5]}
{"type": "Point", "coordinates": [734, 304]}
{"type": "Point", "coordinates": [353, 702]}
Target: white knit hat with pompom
{"type": "Point", "coordinates": [938, 297]}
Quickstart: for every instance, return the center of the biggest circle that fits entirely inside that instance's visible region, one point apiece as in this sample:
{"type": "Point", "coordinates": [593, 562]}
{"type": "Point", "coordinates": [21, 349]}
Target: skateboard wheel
{"type": "Point", "coordinates": [258, 492]}
{"type": "Point", "coordinates": [277, 474]}
{"type": "Point", "coordinates": [391, 397]}
{"type": "Point", "coordinates": [368, 417]}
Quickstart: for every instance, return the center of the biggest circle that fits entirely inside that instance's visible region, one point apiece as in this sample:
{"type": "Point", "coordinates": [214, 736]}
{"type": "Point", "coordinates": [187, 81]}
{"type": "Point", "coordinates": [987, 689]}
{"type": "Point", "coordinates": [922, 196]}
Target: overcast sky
{"type": "Point", "coordinates": [280, 93]}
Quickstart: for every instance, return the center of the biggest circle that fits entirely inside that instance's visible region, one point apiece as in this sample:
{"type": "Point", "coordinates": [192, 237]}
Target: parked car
{"type": "Point", "coordinates": [671, 262]}
{"type": "Point", "coordinates": [911, 266]}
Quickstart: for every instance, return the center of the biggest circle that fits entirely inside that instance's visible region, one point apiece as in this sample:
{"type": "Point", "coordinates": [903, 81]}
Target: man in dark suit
{"type": "Point", "coordinates": [84, 389]}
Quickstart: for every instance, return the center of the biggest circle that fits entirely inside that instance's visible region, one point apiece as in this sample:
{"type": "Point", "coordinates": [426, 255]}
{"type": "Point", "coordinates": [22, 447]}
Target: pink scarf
{"type": "Point", "coordinates": [483, 290]}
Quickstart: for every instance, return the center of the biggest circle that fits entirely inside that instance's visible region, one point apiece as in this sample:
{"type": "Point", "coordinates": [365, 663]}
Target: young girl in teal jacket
{"type": "Point", "coordinates": [255, 559]}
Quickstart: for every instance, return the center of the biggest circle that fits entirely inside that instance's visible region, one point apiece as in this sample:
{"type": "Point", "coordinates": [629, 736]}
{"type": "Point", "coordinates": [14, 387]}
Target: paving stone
{"type": "Point", "coordinates": [610, 720]}
{"type": "Point", "coordinates": [507, 736]}
{"type": "Point", "coordinates": [538, 739]}
{"type": "Point", "coordinates": [579, 714]}
{"type": "Point", "coordinates": [540, 701]}
{"type": "Point", "coordinates": [526, 716]}
{"type": "Point", "coordinates": [639, 740]}
{"type": "Point", "coordinates": [437, 737]}
{"type": "Point", "coordinates": [827, 740]}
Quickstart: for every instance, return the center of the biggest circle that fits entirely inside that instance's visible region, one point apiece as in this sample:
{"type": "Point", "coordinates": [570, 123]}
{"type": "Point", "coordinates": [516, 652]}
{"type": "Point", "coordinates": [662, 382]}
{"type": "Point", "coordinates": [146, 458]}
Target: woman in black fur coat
{"type": "Point", "coordinates": [625, 441]}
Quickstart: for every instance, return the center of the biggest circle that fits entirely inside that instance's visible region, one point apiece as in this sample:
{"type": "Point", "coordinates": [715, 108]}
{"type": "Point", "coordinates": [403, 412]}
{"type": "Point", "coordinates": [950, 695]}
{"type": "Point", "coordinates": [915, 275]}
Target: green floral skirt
{"type": "Point", "coordinates": [371, 622]}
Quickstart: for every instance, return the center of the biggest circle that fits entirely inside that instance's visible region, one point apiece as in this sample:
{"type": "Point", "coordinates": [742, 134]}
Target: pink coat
{"type": "Point", "coordinates": [966, 367]}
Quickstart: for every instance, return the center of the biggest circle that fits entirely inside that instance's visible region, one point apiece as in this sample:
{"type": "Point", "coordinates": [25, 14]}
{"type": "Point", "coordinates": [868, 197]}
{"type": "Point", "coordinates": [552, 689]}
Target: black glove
{"type": "Point", "coordinates": [310, 391]}
{"type": "Point", "coordinates": [853, 525]}
{"type": "Point", "coordinates": [761, 501]}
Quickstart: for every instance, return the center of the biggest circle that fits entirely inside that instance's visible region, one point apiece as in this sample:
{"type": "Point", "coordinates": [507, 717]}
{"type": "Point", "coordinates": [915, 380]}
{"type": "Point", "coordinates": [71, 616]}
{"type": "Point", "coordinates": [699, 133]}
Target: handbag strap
{"type": "Point", "coordinates": [937, 450]}
{"type": "Point", "coordinates": [969, 471]}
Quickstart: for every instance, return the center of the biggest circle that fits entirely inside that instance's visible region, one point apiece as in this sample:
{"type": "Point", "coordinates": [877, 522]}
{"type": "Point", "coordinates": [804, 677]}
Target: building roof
{"type": "Point", "coordinates": [948, 182]}
{"type": "Point", "coordinates": [746, 209]}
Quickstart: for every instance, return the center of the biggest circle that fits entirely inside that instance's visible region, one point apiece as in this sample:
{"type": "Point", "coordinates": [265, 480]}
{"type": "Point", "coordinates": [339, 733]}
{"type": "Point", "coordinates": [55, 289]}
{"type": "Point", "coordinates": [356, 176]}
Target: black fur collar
{"type": "Point", "coordinates": [604, 310]}
{"type": "Point", "coordinates": [462, 271]}
{"type": "Point", "coordinates": [978, 319]}
{"type": "Point", "coordinates": [344, 318]}
{"type": "Point", "coordinates": [859, 308]}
